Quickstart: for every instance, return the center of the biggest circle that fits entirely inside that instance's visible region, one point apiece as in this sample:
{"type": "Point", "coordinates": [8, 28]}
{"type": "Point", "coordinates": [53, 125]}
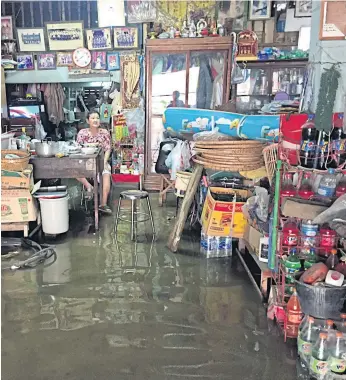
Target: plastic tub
{"type": "Point", "coordinates": [54, 213]}
{"type": "Point", "coordinates": [181, 182]}
{"type": "Point", "coordinates": [321, 302]}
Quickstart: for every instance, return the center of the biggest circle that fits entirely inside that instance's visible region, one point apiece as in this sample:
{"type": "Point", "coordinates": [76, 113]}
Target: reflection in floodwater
{"type": "Point", "coordinates": [113, 308]}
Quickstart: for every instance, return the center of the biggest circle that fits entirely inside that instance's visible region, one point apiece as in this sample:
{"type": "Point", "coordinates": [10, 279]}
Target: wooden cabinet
{"type": "Point", "coordinates": [264, 80]}
{"type": "Point", "coordinates": [182, 72]}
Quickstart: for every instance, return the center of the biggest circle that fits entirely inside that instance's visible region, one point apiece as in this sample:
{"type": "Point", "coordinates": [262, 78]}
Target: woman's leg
{"type": "Point", "coordinates": [85, 182]}
{"type": "Point", "coordinates": [106, 187]}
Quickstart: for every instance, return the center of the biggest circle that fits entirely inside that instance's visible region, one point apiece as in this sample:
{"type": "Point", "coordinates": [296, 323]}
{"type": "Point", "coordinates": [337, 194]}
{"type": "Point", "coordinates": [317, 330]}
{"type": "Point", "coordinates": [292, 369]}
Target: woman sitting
{"type": "Point", "coordinates": [95, 134]}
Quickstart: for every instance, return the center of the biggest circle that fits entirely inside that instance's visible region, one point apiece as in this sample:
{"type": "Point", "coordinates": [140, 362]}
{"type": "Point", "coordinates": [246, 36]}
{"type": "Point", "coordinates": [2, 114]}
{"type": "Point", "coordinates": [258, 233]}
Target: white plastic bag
{"type": "Point", "coordinates": [40, 133]}
{"type": "Point", "coordinates": [179, 158]}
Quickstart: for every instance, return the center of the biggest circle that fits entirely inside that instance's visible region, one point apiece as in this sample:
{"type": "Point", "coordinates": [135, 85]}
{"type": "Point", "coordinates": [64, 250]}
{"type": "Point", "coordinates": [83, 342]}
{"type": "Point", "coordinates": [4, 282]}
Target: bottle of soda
{"type": "Point", "coordinates": [341, 267]}
{"type": "Point", "coordinates": [322, 151]}
{"type": "Point", "coordinates": [308, 143]}
{"type": "Point", "coordinates": [337, 147]}
{"type": "Point", "coordinates": [305, 190]}
{"type": "Point", "coordinates": [333, 259]}
{"type": "Point", "coordinates": [319, 358]}
{"type": "Point", "coordinates": [294, 315]}
{"type": "Point", "coordinates": [336, 360]}
{"type": "Point", "coordinates": [341, 188]}
{"type": "Point", "coordinates": [290, 233]}
{"type": "Point", "coordinates": [292, 265]}
{"type": "Point", "coordinates": [287, 187]}
{"type": "Point", "coordinates": [303, 323]}
{"type": "Point", "coordinates": [306, 341]}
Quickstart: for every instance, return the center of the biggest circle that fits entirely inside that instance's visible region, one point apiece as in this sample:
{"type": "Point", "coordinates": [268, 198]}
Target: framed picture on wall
{"type": "Point", "coordinates": [46, 61]}
{"type": "Point", "coordinates": [65, 35]}
{"type": "Point", "coordinates": [259, 9]}
{"type": "Point", "coordinates": [303, 8]}
{"type": "Point", "coordinates": [64, 58]}
{"type": "Point", "coordinates": [99, 39]}
{"type": "Point", "coordinates": [113, 61]}
{"type": "Point", "coordinates": [6, 28]}
{"type": "Point", "coordinates": [332, 20]}
{"type": "Point", "coordinates": [31, 39]}
{"type": "Point", "coordinates": [25, 62]}
{"type": "Point", "coordinates": [125, 37]}
{"type": "Point", "coordinates": [139, 11]}
{"type": "Point", "coordinates": [98, 60]}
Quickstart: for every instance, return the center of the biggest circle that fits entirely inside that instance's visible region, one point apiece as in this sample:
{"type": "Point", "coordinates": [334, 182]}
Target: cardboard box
{"type": "Point", "coordinates": [17, 180]}
{"type": "Point", "coordinates": [217, 216]}
{"type": "Point", "coordinates": [17, 206]}
{"type": "Point", "coordinates": [253, 237]}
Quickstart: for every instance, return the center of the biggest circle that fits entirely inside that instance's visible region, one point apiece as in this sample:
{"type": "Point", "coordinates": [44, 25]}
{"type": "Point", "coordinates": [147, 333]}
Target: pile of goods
{"type": "Point", "coordinates": [233, 155]}
{"type": "Point", "coordinates": [322, 347]}
{"type": "Point", "coordinates": [303, 245]}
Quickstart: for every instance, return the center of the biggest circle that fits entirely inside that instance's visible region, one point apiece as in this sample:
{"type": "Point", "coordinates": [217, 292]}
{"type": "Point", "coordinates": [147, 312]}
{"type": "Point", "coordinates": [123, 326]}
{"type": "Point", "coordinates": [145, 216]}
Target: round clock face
{"type": "Point", "coordinates": [82, 57]}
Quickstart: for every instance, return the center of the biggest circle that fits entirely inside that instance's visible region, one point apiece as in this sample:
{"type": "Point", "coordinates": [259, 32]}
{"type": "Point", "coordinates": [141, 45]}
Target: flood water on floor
{"type": "Point", "coordinates": [124, 310]}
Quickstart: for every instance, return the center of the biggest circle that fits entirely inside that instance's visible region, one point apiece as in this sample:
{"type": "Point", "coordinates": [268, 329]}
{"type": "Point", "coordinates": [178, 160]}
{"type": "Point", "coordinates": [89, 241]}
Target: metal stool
{"type": "Point", "coordinates": [134, 195]}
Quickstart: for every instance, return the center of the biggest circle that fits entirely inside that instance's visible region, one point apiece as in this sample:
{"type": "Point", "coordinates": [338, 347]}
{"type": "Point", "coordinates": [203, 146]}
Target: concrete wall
{"type": "Point", "coordinates": [322, 53]}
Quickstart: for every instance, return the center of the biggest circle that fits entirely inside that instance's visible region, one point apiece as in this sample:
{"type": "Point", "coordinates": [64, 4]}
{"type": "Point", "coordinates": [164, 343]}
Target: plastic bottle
{"type": "Point", "coordinates": [323, 151]}
{"type": "Point", "coordinates": [305, 190]}
{"type": "Point", "coordinates": [292, 265]}
{"type": "Point", "coordinates": [327, 185]}
{"type": "Point", "coordinates": [23, 140]}
{"type": "Point", "coordinates": [336, 360]}
{"type": "Point", "coordinates": [337, 147]}
{"type": "Point", "coordinates": [290, 233]}
{"type": "Point", "coordinates": [294, 315]}
{"type": "Point", "coordinates": [319, 358]}
{"type": "Point", "coordinates": [310, 257]}
{"type": "Point", "coordinates": [303, 323]}
{"type": "Point", "coordinates": [333, 259]}
{"type": "Point", "coordinates": [341, 188]}
{"type": "Point", "coordinates": [308, 143]}
{"type": "Point", "coordinates": [306, 340]}
{"type": "Point", "coordinates": [328, 237]}
{"type": "Point", "coordinates": [341, 267]}
{"type": "Point", "coordinates": [328, 328]}
{"type": "Point", "coordinates": [287, 188]}
{"type": "Point", "coordinates": [308, 228]}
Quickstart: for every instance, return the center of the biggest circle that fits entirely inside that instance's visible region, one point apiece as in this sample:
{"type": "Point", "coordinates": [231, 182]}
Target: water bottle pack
{"type": "Point", "coordinates": [215, 246]}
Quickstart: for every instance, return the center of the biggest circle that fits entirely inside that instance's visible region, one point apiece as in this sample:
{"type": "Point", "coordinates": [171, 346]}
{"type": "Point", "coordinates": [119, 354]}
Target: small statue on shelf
{"type": "Point", "coordinates": [201, 28]}
{"type": "Point", "coordinates": [221, 30]}
{"type": "Point", "coordinates": [171, 32]}
{"type": "Point", "coordinates": [192, 29]}
{"type": "Point", "coordinates": [184, 30]}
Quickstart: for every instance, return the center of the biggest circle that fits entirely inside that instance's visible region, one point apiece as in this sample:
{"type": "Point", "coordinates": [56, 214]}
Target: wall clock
{"type": "Point", "coordinates": [82, 57]}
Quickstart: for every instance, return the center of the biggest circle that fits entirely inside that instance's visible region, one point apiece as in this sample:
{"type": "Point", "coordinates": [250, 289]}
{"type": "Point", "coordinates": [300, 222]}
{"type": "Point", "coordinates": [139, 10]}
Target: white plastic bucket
{"type": "Point", "coordinates": [54, 213]}
{"type": "Point", "coordinates": [181, 182]}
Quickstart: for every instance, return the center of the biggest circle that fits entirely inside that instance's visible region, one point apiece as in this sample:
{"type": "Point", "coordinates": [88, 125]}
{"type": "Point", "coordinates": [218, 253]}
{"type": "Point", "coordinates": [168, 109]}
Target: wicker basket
{"type": "Point", "coordinates": [14, 164]}
{"type": "Point", "coordinates": [270, 154]}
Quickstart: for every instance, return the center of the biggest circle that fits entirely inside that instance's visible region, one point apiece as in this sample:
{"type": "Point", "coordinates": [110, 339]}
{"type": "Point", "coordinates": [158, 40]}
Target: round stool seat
{"type": "Point", "coordinates": [134, 194]}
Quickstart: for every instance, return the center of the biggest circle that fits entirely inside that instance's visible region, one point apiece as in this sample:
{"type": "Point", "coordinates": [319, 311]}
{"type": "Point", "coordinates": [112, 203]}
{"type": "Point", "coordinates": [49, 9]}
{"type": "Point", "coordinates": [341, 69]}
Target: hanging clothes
{"type": "Point", "coordinates": [217, 95]}
{"type": "Point", "coordinates": [204, 86]}
{"type": "Point", "coordinates": [54, 97]}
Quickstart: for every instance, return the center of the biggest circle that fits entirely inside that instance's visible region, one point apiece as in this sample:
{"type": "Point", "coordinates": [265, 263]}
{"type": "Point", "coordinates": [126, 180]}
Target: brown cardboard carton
{"type": "Point", "coordinates": [17, 205]}
{"type": "Point", "coordinates": [224, 218]}
{"type": "Point", "coordinates": [17, 180]}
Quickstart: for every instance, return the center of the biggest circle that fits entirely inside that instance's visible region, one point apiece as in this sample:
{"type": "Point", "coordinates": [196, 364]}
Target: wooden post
{"type": "Point", "coordinates": [175, 235]}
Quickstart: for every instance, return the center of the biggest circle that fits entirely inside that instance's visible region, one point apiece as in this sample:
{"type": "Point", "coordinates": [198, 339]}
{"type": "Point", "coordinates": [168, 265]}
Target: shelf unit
{"type": "Point", "coordinates": [265, 79]}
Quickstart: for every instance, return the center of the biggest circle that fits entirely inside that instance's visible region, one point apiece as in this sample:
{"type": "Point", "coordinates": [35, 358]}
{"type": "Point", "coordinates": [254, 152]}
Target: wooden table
{"type": "Point", "coordinates": [74, 166]}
